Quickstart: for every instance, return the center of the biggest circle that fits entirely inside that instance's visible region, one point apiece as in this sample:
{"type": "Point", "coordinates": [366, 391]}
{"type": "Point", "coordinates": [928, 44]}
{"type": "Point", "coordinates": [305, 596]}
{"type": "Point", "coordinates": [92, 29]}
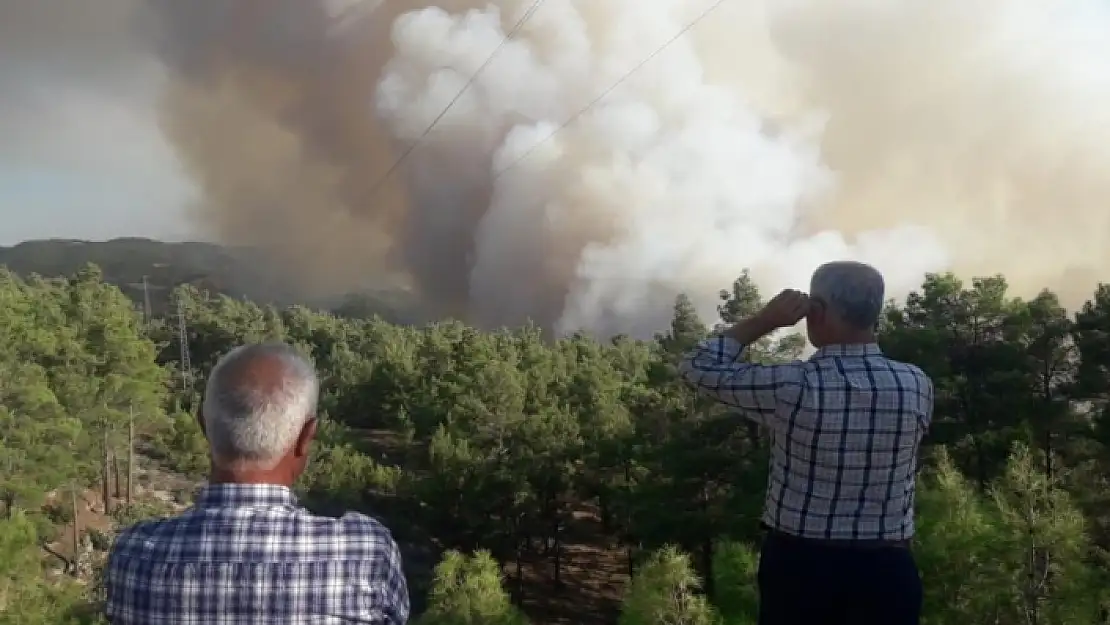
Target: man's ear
{"type": "Point", "coordinates": [308, 432]}
{"type": "Point", "coordinates": [817, 309]}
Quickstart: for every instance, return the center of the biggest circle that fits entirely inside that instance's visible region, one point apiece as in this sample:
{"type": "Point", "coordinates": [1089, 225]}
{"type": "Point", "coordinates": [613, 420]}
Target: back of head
{"type": "Point", "coordinates": [257, 402]}
{"type": "Point", "coordinates": [848, 301]}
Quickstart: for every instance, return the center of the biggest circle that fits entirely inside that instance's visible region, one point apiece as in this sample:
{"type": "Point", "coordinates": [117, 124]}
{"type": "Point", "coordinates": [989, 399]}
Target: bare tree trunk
{"type": "Point", "coordinates": [106, 475]}
{"type": "Point", "coordinates": [130, 454]}
{"type": "Point", "coordinates": [557, 541]}
{"type": "Point", "coordinates": [519, 575]}
{"type": "Point", "coordinates": [76, 530]}
{"type": "Point", "coordinates": [117, 479]}
{"type": "Point", "coordinates": [707, 545]}
{"type": "Point", "coordinates": [9, 496]}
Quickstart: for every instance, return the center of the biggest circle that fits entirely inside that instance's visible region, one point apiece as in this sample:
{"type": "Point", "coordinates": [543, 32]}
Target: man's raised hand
{"type": "Point", "coordinates": [785, 309]}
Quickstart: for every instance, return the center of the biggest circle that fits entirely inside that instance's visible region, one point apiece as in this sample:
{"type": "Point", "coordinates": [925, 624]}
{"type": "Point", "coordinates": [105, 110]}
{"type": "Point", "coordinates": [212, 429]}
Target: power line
{"type": "Point", "coordinates": [504, 41]}
{"type": "Point", "coordinates": [601, 97]}
{"type": "Point", "coordinates": [183, 342]}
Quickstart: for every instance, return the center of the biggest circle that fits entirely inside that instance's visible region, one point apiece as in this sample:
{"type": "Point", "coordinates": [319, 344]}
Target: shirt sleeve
{"type": "Point", "coordinates": [111, 612]}
{"type": "Point", "coordinates": [716, 369]}
{"type": "Point", "coordinates": [929, 399]}
{"type": "Point", "coordinates": [396, 588]}
{"type": "Point", "coordinates": [120, 592]}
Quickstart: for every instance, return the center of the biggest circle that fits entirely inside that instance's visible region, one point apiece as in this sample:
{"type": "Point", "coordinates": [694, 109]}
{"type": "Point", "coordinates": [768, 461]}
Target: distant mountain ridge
{"type": "Point", "coordinates": [166, 265]}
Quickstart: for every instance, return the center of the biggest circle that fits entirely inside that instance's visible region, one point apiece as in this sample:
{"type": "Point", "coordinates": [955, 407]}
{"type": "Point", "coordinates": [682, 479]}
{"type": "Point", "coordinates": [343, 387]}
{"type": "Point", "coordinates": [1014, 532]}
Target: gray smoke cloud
{"type": "Point", "coordinates": [774, 135]}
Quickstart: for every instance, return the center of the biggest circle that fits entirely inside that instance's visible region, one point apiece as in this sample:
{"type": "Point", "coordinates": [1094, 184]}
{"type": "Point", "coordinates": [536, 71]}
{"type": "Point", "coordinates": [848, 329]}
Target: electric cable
{"type": "Point", "coordinates": [606, 92]}
{"type": "Point", "coordinates": [504, 41]}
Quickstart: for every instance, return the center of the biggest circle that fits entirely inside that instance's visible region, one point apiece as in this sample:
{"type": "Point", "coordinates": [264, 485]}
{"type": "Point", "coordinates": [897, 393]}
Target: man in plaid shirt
{"type": "Point", "coordinates": [245, 553]}
{"type": "Point", "coordinates": [845, 429]}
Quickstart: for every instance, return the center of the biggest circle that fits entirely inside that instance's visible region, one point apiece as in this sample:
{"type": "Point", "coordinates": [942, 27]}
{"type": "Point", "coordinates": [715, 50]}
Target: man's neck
{"type": "Point", "coordinates": [865, 337]}
{"type": "Point", "coordinates": [221, 475]}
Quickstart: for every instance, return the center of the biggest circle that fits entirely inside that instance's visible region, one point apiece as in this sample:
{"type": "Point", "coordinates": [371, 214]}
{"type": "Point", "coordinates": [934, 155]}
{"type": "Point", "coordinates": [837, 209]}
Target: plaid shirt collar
{"type": "Point", "coordinates": [245, 496]}
{"type": "Point", "coordinates": [855, 349]}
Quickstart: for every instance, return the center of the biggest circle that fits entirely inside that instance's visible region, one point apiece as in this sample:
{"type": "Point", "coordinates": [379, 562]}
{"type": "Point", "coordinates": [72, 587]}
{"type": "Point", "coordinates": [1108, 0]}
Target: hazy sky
{"type": "Point", "coordinates": [81, 152]}
{"type": "Point", "coordinates": [81, 155]}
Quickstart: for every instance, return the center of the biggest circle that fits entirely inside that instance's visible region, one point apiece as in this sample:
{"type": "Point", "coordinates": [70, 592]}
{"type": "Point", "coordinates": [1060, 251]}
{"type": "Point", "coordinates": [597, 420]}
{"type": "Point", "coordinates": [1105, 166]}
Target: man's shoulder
{"type": "Point", "coordinates": [359, 525]}
{"type": "Point", "coordinates": [352, 536]}
{"type": "Point", "coordinates": [353, 532]}
{"type": "Point", "coordinates": [907, 368]}
{"type": "Point", "coordinates": [911, 376]}
{"type": "Point", "coordinates": [145, 536]}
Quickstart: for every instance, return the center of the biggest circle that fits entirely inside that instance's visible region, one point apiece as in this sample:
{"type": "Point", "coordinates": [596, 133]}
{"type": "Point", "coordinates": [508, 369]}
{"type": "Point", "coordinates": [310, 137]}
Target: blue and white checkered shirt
{"type": "Point", "coordinates": [845, 428]}
{"type": "Point", "coordinates": [246, 554]}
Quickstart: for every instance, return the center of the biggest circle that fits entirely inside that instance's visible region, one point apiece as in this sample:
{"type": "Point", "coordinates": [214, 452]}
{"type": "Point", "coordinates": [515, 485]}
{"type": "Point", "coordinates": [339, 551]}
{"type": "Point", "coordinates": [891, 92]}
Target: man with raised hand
{"type": "Point", "coordinates": [845, 428]}
{"type": "Point", "coordinates": [245, 553]}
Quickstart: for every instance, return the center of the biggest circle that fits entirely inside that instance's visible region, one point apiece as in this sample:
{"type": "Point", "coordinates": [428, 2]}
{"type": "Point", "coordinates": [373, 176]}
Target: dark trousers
{"type": "Point", "coordinates": [815, 583]}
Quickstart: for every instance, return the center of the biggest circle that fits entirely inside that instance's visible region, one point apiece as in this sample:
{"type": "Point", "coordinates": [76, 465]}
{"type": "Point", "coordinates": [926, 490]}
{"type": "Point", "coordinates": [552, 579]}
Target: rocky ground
{"type": "Point", "coordinates": [155, 491]}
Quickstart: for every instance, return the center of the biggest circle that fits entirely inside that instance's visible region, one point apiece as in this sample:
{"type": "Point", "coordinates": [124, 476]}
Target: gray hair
{"type": "Point", "coordinates": [244, 423]}
{"type": "Point", "coordinates": [853, 292]}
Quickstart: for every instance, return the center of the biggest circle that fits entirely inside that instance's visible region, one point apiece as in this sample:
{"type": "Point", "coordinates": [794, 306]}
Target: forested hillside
{"type": "Point", "coordinates": [235, 272]}
{"type": "Point", "coordinates": [556, 482]}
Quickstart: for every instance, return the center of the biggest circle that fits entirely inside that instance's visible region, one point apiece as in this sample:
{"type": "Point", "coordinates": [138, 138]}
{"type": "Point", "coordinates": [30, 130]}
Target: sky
{"type": "Point", "coordinates": [81, 153]}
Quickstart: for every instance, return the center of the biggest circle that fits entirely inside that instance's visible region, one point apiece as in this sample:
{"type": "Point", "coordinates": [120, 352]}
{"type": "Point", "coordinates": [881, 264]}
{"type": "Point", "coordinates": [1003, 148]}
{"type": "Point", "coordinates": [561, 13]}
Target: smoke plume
{"type": "Point", "coordinates": [916, 135]}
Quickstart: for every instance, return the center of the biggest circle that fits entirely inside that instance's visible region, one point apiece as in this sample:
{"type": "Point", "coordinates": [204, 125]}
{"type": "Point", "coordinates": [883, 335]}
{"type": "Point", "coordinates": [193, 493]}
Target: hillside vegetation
{"type": "Point", "coordinates": [235, 272]}
{"type": "Point", "coordinates": [573, 481]}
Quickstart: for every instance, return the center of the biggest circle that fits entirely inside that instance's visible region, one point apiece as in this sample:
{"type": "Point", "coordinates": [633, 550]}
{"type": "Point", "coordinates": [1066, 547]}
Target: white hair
{"type": "Point", "coordinates": [257, 426]}
{"type": "Point", "coordinates": [853, 292]}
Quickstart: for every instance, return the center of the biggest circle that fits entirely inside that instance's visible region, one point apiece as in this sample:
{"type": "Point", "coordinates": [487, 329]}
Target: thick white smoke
{"type": "Point", "coordinates": [775, 135]}
{"type": "Point", "coordinates": [670, 183]}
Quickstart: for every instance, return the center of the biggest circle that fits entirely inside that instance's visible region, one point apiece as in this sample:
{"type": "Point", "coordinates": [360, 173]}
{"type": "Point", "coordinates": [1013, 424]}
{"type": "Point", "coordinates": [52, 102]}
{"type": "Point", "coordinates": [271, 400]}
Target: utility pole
{"type": "Point", "coordinates": [146, 301]}
{"type": "Point", "coordinates": [130, 455]}
{"type": "Point", "coordinates": [183, 340]}
{"type": "Point", "coordinates": [106, 474]}
{"type": "Point", "coordinates": [76, 531]}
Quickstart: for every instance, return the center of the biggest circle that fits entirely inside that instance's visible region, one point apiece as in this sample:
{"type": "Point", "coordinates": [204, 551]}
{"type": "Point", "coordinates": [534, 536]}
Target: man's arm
{"type": "Point", "coordinates": [396, 588]}
{"type": "Point", "coordinates": [125, 577]}
{"type": "Point", "coordinates": [929, 400]}
{"type": "Point", "coordinates": [109, 613]}
{"type": "Point", "coordinates": [716, 369]}
{"type": "Point", "coordinates": [925, 421]}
